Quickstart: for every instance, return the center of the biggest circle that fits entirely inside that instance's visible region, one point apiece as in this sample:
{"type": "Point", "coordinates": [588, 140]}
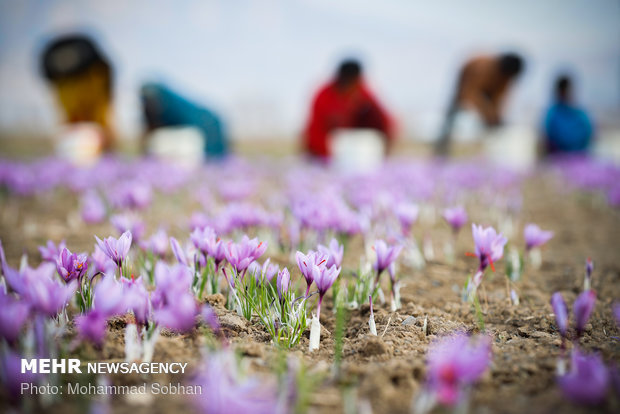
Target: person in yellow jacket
{"type": "Point", "coordinates": [82, 79]}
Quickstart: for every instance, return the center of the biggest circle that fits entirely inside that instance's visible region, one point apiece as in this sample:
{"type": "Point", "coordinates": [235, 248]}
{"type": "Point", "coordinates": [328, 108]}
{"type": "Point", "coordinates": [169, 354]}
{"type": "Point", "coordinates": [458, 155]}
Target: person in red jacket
{"type": "Point", "coordinates": [345, 102]}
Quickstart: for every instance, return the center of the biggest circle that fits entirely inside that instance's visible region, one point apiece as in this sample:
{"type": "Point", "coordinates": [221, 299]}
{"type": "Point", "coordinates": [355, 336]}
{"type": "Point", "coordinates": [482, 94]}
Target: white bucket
{"type": "Point", "coordinates": [181, 145]}
{"type": "Point", "coordinates": [512, 146]}
{"type": "Point", "coordinates": [80, 143]}
{"type": "Point", "coordinates": [357, 150]}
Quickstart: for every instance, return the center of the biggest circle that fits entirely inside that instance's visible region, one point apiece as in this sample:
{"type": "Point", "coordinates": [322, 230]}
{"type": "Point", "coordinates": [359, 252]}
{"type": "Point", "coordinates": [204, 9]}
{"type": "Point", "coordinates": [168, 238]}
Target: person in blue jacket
{"type": "Point", "coordinates": [165, 108]}
{"type": "Point", "coordinates": [567, 128]}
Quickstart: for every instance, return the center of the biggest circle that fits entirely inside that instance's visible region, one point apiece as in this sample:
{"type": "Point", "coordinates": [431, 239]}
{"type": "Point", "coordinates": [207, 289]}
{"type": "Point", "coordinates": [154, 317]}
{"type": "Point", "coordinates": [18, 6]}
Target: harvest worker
{"type": "Point", "coordinates": [82, 78]}
{"type": "Point", "coordinates": [345, 102]}
{"type": "Point", "coordinates": [164, 107]}
{"type": "Point", "coordinates": [567, 128]}
{"type": "Point", "coordinates": [482, 85]}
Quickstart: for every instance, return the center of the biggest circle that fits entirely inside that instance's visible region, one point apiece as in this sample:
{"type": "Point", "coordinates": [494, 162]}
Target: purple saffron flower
{"type": "Point", "coordinates": [264, 273]}
{"type": "Point", "coordinates": [137, 299]}
{"type": "Point", "coordinates": [226, 390]}
{"type": "Point", "coordinates": [210, 318]}
{"type": "Point", "coordinates": [241, 254]}
{"type": "Point", "coordinates": [333, 252]}
{"type": "Point", "coordinates": [12, 377]}
{"type": "Point", "coordinates": [101, 261]}
{"type": "Point", "coordinates": [407, 214]}
{"type": "Point", "coordinates": [13, 316]}
{"type": "Point", "coordinates": [324, 279]}
{"type": "Point", "coordinates": [535, 237]}
{"type": "Point", "coordinates": [116, 249]}
{"type": "Point", "coordinates": [128, 223]}
{"type": "Point", "coordinates": [561, 313]}
{"type": "Point", "coordinates": [178, 251]}
{"type": "Point", "coordinates": [157, 244]}
{"type": "Point", "coordinates": [386, 255]}
{"type": "Point", "coordinates": [93, 209]}
{"type": "Point", "coordinates": [177, 312]}
{"type": "Point", "coordinates": [50, 252]}
{"type": "Point", "coordinates": [582, 309]}
{"type": "Point", "coordinates": [454, 363]}
{"type": "Point", "coordinates": [305, 262]}
{"type": "Point", "coordinates": [45, 293]}
{"type": "Point", "coordinates": [71, 266]}
{"type": "Point", "coordinates": [588, 380]}
{"type": "Point", "coordinates": [91, 327]}
{"type": "Point", "coordinates": [209, 244]}
{"type": "Point", "coordinates": [616, 310]}
{"type": "Point", "coordinates": [456, 217]}
{"type": "Point", "coordinates": [283, 283]}
{"type": "Point", "coordinates": [587, 283]}
{"type": "Point", "coordinates": [489, 246]}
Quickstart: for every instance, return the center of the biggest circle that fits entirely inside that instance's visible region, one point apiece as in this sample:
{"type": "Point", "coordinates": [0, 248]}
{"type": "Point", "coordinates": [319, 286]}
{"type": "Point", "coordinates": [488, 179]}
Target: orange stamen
{"type": "Point", "coordinates": [470, 254]}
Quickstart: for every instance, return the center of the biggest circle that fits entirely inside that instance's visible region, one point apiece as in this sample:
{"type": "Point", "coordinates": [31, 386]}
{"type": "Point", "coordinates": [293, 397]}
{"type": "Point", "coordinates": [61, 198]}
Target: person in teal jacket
{"type": "Point", "coordinates": [165, 108]}
{"type": "Point", "coordinates": [567, 128]}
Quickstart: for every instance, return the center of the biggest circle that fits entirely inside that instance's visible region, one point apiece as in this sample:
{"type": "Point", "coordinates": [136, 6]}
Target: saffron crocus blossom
{"type": "Point", "coordinates": [616, 311]}
{"type": "Point", "coordinates": [561, 313]}
{"type": "Point", "coordinates": [324, 279]}
{"type": "Point", "coordinates": [71, 266]}
{"type": "Point", "coordinates": [489, 249]}
{"type": "Point", "coordinates": [305, 264]}
{"type": "Point", "coordinates": [178, 252]}
{"type": "Point", "coordinates": [283, 283]}
{"type": "Point", "coordinates": [582, 310]}
{"type": "Point", "coordinates": [209, 244]}
{"type": "Point", "coordinates": [101, 262]}
{"type": "Point", "coordinates": [588, 379]}
{"type": "Point", "coordinates": [12, 317]}
{"type": "Point", "coordinates": [174, 305]}
{"type": "Point", "coordinates": [455, 363]}
{"type": "Point", "coordinates": [137, 299]}
{"type": "Point", "coordinates": [407, 214]}
{"type": "Point", "coordinates": [456, 217]}
{"type": "Point", "coordinates": [386, 255]}
{"type": "Point", "coordinates": [157, 244]}
{"type": "Point", "coordinates": [93, 209]}
{"type": "Point", "coordinates": [116, 249]}
{"type": "Point", "coordinates": [208, 315]}
{"type": "Point", "coordinates": [535, 237]}
{"type": "Point", "coordinates": [227, 391]}
{"type": "Point", "coordinates": [13, 377]}
{"type": "Point", "coordinates": [128, 223]}
{"type": "Point", "coordinates": [43, 292]}
{"type": "Point", "coordinates": [109, 300]}
{"type": "Point", "coordinates": [50, 252]}
{"type": "Point", "coordinates": [241, 254]}
{"type": "Point", "coordinates": [587, 281]}
{"type": "Point", "coordinates": [333, 252]}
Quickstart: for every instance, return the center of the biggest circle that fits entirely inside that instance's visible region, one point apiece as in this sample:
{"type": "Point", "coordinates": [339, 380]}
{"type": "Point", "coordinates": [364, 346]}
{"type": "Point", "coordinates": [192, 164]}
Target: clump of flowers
{"type": "Point", "coordinates": [534, 238]}
{"type": "Point", "coordinates": [454, 364]}
{"type": "Point", "coordinates": [582, 310]}
{"type": "Point", "coordinates": [489, 248]}
{"type": "Point", "coordinates": [588, 380]}
{"type": "Point", "coordinates": [386, 256]}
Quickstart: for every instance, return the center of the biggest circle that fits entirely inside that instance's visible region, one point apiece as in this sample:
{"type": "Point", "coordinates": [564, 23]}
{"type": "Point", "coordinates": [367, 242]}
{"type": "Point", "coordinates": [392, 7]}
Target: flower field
{"type": "Point", "coordinates": [289, 287]}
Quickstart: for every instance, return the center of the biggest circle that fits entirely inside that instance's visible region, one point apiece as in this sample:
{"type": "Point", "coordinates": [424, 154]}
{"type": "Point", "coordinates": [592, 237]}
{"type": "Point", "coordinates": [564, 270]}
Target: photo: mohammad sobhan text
{"type": "Point", "coordinates": [77, 388]}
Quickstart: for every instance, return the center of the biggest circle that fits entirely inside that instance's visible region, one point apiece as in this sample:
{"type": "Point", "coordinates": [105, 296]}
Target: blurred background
{"type": "Point", "coordinates": [258, 64]}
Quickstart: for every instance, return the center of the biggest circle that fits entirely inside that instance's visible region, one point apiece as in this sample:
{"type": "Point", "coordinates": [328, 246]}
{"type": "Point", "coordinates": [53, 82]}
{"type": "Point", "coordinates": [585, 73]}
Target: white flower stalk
{"type": "Point", "coordinates": [429, 251]}
{"type": "Point", "coordinates": [133, 345]}
{"type": "Point", "coordinates": [535, 258]}
{"type": "Point", "coordinates": [371, 320]}
{"type": "Point", "coordinates": [448, 252]}
{"type": "Point", "coordinates": [514, 296]}
{"type": "Point", "coordinates": [515, 262]}
{"type": "Point", "coordinates": [315, 333]}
